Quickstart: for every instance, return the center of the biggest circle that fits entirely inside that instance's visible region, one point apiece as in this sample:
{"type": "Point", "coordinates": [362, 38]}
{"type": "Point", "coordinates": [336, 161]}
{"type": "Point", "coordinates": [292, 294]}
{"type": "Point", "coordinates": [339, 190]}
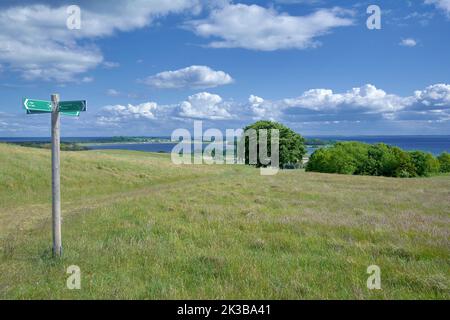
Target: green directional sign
{"type": "Point", "coordinates": [72, 106]}
{"type": "Point", "coordinates": [70, 113]}
{"type": "Point", "coordinates": [67, 108]}
{"type": "Point", "coordinates": [37, 106]}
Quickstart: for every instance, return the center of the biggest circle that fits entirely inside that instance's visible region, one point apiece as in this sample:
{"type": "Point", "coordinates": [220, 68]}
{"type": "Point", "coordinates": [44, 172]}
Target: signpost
{"type": "Point", "coordinates": [68, 108]}
{"type": "Point", "coordinates": [72, 107]}
{"type": "Point", "coordinates": [37, 106]}
{"type": "Point", "coordinates": [55, 107]}
{"type": "Point", "coordinates": [56, 178]}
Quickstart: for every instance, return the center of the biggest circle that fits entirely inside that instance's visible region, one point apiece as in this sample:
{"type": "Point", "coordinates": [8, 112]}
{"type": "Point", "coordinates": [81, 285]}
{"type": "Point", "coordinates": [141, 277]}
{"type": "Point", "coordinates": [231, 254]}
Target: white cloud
{"type": "Point", "coordinates": [205, 105]}
{"type": "Point", "coordinates": [441, 4]}
{"type": "Point", "coordinates": [87, 79]}
{"type": "Point", "coordinates": [434, 97]}
{"type": "Point", "coordinates": [263, 109]}
{"type": "Point", "coordinates": [112, 92]}
{"type": "Point", "coordinates": [258, 28]}
{"type": "Point", "coordinates": [35, 41]}
{"type": "Point", "coordinates": [409, 42]}
{"type": "Point", "coordinates": [367, 98]}
{"type": "Point", "coordinates": [198, 77]}
{"type": "Point", "coordinates": [255, 100]}
{"type": "Point", "coordinates": [110, 64]}
{"type": "Point", "coordinates": [366, 103]}
{"type": "Point", "coordinates": [362, 103]}
{"type": "Point", "coordinates": [119, 112]}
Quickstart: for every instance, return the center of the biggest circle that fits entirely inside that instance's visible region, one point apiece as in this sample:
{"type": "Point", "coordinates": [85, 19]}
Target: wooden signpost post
{"type": "Point", "coordinates": [56, 108]}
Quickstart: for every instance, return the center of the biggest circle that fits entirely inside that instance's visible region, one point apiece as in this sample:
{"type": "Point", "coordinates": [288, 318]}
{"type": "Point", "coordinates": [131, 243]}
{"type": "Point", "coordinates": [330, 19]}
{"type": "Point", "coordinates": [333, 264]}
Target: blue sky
{"type": "Point", "coordinates": [149, 67]}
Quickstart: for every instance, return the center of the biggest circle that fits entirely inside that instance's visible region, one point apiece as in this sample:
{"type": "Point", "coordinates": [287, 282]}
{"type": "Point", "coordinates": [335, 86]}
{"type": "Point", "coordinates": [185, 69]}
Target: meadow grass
{"type": "Point", "coordinates": [140, 227]}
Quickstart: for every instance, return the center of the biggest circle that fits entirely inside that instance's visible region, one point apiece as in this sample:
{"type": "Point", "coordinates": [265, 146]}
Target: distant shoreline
{"type": "Point", "coordinates": [89, 144]}
{"type": "Point", "coordinates": [434, 144]}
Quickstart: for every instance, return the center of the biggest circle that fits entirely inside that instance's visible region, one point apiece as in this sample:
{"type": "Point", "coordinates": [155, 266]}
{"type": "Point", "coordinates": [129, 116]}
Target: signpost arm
{"type": "Point", "coordinates": [56, 185]}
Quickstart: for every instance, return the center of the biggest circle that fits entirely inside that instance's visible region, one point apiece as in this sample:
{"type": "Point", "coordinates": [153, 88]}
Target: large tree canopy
{"type": "Point", "coordinates": [291, 144]}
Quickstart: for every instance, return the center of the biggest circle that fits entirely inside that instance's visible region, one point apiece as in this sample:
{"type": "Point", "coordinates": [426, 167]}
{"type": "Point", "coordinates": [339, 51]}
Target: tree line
{"type": "Point", "coordinates": [359, 158]}
{"type": "Point", "coordinates": [355, 158]}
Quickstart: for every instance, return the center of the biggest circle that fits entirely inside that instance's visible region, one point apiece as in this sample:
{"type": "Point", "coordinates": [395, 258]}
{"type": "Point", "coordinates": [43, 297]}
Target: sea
{"type": "Point", "coordinates": [433, 144]}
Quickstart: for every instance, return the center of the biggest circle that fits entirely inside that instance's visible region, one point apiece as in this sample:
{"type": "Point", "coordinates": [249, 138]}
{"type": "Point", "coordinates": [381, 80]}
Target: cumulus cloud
{"type": "Point", "coordinates": [198, 77]}
{"type": "Point", "coordinates": [441, 4]}
{"type": "Point", "coordinates": [258, 28]}
{"type": "Point", "coordinates": [205, 105]}
{"type": "Point", "coordinates": [263, 109]}
{"type": "Point", "coordinates": [255, 100]}
{"type": "Point", "coordinates": [35, 41]}
{"type": "Point", "coordinates": [367, 98]}
{"type": "Point", "coordinates": [434, 97]}
{"type": "Point", "coordinates": [117, 113]}
{"type": "Point", "coordinates": [362, 103]}
{"type": "Point", "coordinates": [409, 42]}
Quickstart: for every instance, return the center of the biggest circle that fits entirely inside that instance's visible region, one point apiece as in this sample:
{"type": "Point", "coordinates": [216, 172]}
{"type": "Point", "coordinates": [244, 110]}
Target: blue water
{"type": "Point", "coordinates": [148, 147]}
{"type": "Point", "coordinates": [432, 144]}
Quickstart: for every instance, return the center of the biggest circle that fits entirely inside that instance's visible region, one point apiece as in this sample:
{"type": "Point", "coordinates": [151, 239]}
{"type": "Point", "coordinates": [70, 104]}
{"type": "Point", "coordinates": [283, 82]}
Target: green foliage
{"type": "Point", "coordinates": [376, 160]}
{"type": "Point", "coordinates": [292, 145]}
{"type": "Point", "coordinates": [340, 160]}
{"type": "Point", "coordinates": [424, 163]}
{"type": "Point", "coordinates": [444, 161]}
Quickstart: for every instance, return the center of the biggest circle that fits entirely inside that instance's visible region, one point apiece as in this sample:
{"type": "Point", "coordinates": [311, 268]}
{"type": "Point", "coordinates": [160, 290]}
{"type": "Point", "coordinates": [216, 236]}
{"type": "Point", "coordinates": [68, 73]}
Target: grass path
{"type": "Point", "coordinates": [26, 217]}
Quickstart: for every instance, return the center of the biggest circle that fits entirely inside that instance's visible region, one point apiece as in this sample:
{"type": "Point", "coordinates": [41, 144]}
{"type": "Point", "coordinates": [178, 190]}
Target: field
{"type": "Point", "coordinates": [140, 227]}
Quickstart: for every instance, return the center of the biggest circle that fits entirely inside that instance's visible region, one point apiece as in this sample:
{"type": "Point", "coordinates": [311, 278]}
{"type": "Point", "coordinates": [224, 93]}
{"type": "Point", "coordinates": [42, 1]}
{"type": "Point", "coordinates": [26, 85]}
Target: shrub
{"type": "Point", "coordinates": [444, 161]}
{"type": "Point", "coordinates": [377, 160]}
{"type": "Point", "coordinates": [425, 164]}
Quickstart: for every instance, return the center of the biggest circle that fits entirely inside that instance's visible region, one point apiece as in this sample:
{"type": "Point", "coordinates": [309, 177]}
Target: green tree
{"type": "Point", "coordinates": [319, 160]}
{"type": "Point", "coordinates": [374, 164]}
{"type": "Point", "coordinates": [291, 144]}
{"type": "Point", "coordinates": [425, 164]}
{"type": "Point", "coordinates": [404, 167]}
{"type": "Point", "coordinates": [444, 161]}
{"type": "Point", "coordinates": [343, 157]}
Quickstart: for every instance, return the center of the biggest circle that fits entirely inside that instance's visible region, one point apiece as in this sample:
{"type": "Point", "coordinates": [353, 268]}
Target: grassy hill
{"type": "Point", "coordinates": [140, 227]}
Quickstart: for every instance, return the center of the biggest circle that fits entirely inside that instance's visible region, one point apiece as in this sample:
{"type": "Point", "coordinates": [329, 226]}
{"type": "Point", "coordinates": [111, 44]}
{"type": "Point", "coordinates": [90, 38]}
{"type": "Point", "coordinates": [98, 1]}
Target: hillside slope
{"type": "Point", "coordinates": [140, 227]}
